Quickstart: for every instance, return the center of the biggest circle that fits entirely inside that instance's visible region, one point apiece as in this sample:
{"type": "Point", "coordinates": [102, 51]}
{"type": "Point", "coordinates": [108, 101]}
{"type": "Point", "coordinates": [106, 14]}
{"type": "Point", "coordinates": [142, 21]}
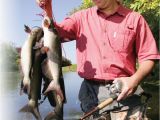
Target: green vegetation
{"type": "Point", "coordinates": [72, 68]}
{"type": "Point", "coordinates": [9, 61]}
{"type": "Point", "coordinates": [153, 103]}
{"type": "Point", "coordinates": [150, 9]}
{"type": "Point", "coordinates": [9, 57]}
{"type": "Point", "coordinates": [85, 4]}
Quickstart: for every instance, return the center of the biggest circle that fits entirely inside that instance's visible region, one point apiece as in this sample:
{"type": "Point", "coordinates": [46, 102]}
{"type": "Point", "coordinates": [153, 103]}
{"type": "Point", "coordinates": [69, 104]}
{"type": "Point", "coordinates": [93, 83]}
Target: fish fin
{"type": "Point", "coordinates": [51, 94]}
{"type": "Point", "coordinates": [44, 50]}
{"type": "Point", "coordinates": [23, 88]}
{"type": "Point", "coordinates": [66, 62]}
{"type": "Point", "coordinates": [26, 108]}
{"type": "Point", "coordinates": [26, 89]}
{"type": "Point", "coordinates": [47, 90]}
{"type": "Point", "coordinates": [51, 98]}
{"type": "Point", "coordinates": [27, 29]}
{"type": "Point", "coordinates": [33, 110]}
{"type": "Point", "coordinates": [21, 92]}
{"type": "Point", "coordinates": [37, 46]}
{"type": "Point", "coordinates": [57, 90]}
{"type": "Point", "coordinates": [53, 115]}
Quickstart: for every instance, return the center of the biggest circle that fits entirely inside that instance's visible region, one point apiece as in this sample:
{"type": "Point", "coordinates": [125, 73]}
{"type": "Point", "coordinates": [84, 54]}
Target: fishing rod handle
{"type": "Point", "coordinates": [107, 101]}
{"type": "Point", "coordinates": [89, 113]}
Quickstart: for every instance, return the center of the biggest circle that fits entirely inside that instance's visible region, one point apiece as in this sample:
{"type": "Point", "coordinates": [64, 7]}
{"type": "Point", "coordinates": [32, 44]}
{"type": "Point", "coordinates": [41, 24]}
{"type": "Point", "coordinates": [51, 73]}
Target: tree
{"type": "Point", "coordinates": [150, 10]}
{"type": "Point", "coordinates": [9, 57]}
{"type": "Point", "coordinates": [85, 4]}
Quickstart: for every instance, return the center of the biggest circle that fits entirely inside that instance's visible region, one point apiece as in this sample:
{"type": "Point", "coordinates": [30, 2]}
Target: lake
{"type": "Point", "coordinates": [11, 101]}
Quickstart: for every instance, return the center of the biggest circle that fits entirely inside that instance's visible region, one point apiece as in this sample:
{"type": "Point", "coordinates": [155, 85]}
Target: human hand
{"type": "Point", "coordinates": [44, 3]}
{"type": "Point", "coordinates": [129, 86]}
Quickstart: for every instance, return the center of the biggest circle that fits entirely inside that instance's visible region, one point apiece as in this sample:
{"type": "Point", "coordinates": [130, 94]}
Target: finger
{"type": "Point", "coordinates": [130, 92]}
{"type": "Point", "coordinates": [122, 95]}
{"type": "Point", "coordinates": [41, 3]}
{"type": "Point", "coordinates": [116, 79]}
{"type": "Point", "coordinates": [37, 1]}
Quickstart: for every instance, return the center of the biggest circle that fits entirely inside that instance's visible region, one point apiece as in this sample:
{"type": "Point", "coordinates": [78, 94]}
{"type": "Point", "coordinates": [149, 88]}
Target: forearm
{"type": "Point", "coordinates": [129, 84]}
{"type": "Point", "coordinates": [144, 69]}
{"type": "Point", "coordinates": [67, 29]}
{"type": "Point", "coordinates": [48, 11]}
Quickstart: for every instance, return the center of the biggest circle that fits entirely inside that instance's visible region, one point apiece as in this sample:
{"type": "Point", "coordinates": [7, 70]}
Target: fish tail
{"type": "Point", "coordinates": [31, 109]}
{"type": "Point", "coordinates": [53, 116]}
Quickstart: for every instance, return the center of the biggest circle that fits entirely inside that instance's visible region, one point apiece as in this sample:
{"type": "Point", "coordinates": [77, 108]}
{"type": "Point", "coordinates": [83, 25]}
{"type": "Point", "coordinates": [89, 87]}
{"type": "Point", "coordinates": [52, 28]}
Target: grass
{"type": "Point", "coordinates": [72, 68]}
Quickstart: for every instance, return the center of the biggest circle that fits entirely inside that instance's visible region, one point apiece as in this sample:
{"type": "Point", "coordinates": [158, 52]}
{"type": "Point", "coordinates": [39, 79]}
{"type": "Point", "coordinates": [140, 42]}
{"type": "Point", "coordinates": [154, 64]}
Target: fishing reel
{"type": "Point", "coordinates": [116, 88]}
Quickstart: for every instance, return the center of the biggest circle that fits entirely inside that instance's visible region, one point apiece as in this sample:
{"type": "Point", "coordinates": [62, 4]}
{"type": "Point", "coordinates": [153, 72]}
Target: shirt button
{"type": "Point", "coordinates": [104, 57]}
{"type": "Point", "coordinates": [104, 43]}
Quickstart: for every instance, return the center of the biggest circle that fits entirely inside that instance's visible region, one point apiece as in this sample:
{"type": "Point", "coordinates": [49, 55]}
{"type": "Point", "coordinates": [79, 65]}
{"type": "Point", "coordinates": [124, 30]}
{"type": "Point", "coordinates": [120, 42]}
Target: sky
{"type": "Point", "coordinates": [15, 13]}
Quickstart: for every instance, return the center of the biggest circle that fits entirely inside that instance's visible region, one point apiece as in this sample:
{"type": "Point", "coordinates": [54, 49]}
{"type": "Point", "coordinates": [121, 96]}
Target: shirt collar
{"type": "Point", "coordinates": [122, 11]}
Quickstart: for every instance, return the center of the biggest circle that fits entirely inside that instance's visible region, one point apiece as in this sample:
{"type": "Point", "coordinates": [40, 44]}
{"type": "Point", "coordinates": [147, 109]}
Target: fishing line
{"type": "Point", "coordinates": [54, 21]}
{"type": "Point", "coordinates": [65, 55]}
{"type": "Point", "coordinates": [42, 101]}
{"type": "Point", "coordinates": [36, 27]}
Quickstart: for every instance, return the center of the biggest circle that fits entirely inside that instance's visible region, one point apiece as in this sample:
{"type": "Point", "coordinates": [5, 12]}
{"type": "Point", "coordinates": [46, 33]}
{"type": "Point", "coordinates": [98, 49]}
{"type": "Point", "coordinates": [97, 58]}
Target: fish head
{"type": "Point", "coordinates": [46, 23]}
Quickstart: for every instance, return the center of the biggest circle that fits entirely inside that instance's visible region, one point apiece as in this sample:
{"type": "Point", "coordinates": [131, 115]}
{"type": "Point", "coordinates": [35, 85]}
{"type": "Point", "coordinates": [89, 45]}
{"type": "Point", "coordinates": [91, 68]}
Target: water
{"type": "Point", "coordinates": [11, 101]}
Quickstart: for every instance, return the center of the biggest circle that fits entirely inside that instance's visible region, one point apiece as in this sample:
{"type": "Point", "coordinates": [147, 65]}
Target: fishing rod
{"type": "Point", "coordinates": [100, 106]}
{"type": "Point", "coordinates": [114, 89]}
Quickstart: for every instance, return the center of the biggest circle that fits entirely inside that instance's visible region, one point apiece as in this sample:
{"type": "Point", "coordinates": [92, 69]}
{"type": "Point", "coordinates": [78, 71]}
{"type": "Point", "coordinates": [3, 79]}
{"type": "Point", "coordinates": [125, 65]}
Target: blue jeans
{"type": "Point", "coordinates": [91, 94]}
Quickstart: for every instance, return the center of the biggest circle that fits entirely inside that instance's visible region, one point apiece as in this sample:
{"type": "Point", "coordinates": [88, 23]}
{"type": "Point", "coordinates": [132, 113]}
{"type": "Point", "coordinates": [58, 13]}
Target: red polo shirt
{"type": "Point", "coordinates": [108, 46]}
